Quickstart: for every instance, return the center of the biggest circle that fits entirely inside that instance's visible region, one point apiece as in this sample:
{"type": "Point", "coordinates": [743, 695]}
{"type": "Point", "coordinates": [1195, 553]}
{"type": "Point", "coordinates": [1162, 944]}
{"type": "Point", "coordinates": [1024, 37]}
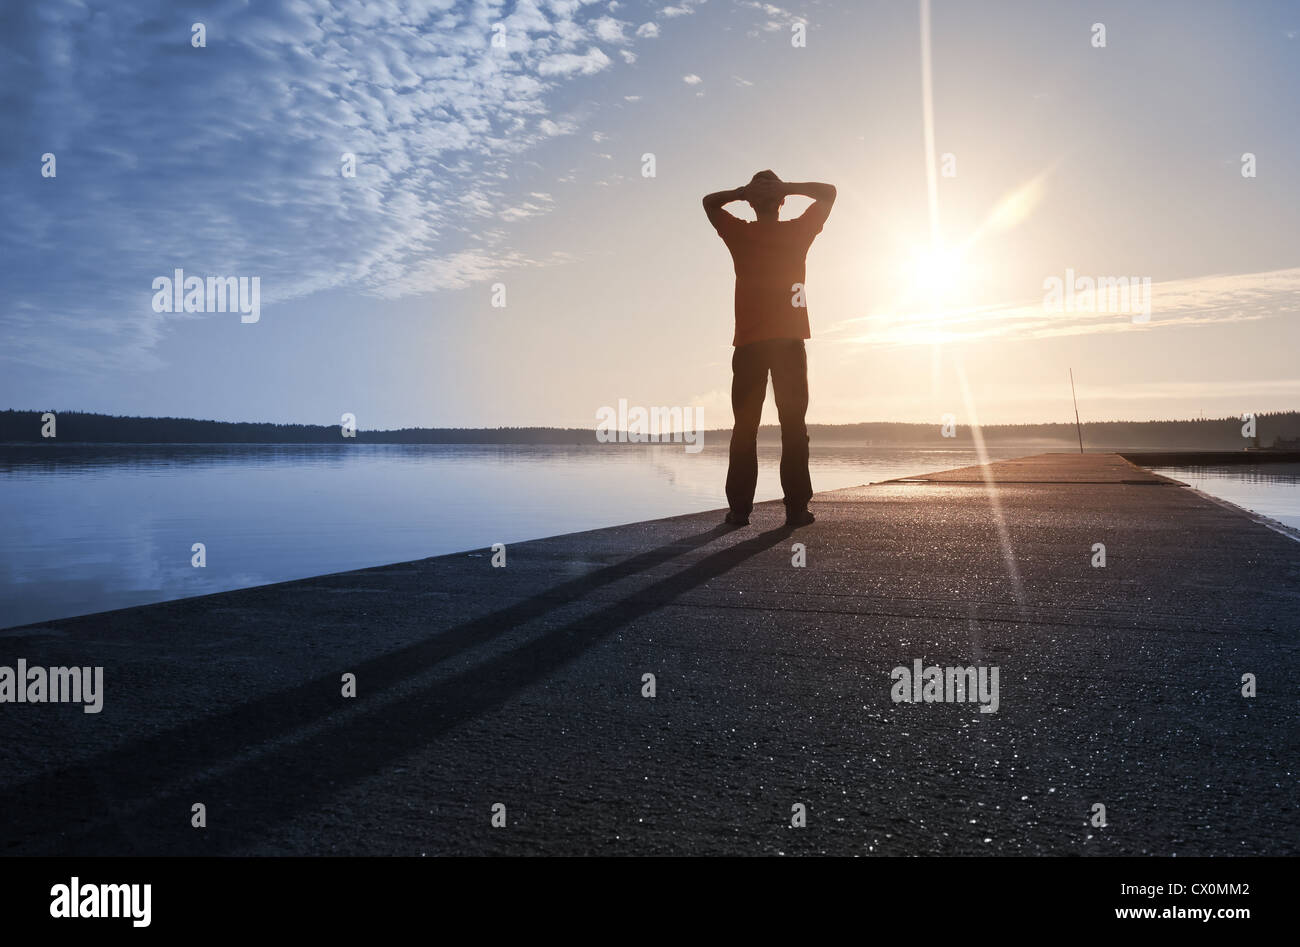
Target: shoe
{"type": "Point", "coordinates": [735, 519]}
{"type": "Point", "coordinates": [799, 518]}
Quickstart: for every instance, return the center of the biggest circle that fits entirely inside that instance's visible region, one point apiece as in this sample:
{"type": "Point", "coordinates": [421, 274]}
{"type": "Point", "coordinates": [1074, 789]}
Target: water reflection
{"type": "Point", "coordinates": [1270, 489]}
{"type": "Point", "coordinates": [95, 527]}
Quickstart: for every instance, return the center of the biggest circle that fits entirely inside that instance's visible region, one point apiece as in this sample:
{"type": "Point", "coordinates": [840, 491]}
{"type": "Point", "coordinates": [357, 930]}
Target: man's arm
{"type": "Point", "coordinates": [713, 204]}
{"type": "Point", "coordinates": [823, 196]}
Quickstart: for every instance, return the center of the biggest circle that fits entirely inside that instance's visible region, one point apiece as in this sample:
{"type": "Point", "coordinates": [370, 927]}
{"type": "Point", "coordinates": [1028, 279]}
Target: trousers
{"type": "Point", "coordinates": [787, 360]}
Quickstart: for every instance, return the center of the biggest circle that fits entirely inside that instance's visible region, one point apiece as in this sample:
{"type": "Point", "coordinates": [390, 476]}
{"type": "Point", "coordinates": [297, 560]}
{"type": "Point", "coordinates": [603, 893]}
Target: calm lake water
{"type": "Point", "coordinates": [90, 528]}
{"type": "Point", "coordinates": [1271, 490]}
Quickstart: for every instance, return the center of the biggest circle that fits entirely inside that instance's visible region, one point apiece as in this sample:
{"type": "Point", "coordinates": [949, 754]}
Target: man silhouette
{"type": "Point", "coordinates": [771, 324]}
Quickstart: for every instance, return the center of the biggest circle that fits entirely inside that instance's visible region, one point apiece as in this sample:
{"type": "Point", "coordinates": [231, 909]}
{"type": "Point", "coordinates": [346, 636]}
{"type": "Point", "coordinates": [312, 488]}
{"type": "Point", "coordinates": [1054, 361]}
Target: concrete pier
{"type": "Point", "coordinates": [1119, 685]}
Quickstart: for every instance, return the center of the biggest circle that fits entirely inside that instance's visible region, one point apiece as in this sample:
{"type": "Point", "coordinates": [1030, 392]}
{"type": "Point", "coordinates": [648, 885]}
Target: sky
{"type": "Point", "coordinates": [518, 170]}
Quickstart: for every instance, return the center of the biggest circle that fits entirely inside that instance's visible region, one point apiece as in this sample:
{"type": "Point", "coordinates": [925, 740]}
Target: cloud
{"type": "Point", "coordinates": [566, 64]}
{"type": "Point", "coordinates": [1183, 303]}
{"type": "Point", "coordinates": [610, 30]}
{"type": "Point", "coordinates": [227, 159]}
{"type": "Point", "coordinates": [771, 10]}
{"type": "Point", "coordinates": [692, 79]}
{"type": "Point", "coordinates": [540, 203]}
{"type": "Point", "coordinates": [551, 128]}
{"type": "Point", "coordinates": [648, 30]}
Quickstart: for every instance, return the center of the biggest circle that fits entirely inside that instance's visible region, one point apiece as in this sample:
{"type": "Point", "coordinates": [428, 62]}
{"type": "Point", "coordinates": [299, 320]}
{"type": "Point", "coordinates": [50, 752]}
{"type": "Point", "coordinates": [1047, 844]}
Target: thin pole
{"type": "Point", "coordinates": [1077, 425]}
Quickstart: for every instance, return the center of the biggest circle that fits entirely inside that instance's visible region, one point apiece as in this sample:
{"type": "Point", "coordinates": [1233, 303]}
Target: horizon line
{"type": "Point", "coordinates": [544, 427]}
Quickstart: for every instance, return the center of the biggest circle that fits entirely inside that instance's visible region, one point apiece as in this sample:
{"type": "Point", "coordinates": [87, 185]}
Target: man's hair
{"type": "Point", "coordinates": [766, 175]}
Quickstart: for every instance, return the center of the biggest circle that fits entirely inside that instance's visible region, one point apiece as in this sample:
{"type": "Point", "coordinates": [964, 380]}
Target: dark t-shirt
{"type": "Point", "coordinates": [769, 260]}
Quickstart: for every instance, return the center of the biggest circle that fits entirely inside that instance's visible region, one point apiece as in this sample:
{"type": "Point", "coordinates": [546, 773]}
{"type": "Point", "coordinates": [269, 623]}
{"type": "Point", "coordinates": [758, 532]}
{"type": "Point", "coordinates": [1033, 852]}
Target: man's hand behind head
{"type": "Point", "coordinates": [763, 192]}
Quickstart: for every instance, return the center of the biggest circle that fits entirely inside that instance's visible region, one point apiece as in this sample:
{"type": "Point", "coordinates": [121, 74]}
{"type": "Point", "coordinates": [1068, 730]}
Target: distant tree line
{"type": "Point", "coordinates": [85, 427]}
{"type": "Point", "coordinates": [24, 427]}
{"type": "Point", "coordinates": [1198, 434]}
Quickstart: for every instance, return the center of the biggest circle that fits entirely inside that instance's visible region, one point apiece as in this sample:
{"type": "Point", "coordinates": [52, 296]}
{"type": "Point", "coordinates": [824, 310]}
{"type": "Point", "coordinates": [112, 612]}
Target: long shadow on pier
{"type": "Point", "coordinates": [143, 791]}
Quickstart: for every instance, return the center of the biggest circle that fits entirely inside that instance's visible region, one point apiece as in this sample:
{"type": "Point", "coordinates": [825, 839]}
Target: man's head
{"type": "Point", "coordinates": [763, 193]}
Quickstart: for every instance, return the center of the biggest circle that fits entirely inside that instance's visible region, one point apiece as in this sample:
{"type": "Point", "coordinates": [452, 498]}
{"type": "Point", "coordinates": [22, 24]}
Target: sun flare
{"type": "Point", "coordinates": [936, 275]}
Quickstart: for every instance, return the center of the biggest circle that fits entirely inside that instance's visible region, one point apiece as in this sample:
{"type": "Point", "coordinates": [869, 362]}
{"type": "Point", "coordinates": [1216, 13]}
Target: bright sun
{"type": "Point", "coordinates": [936, 275]}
